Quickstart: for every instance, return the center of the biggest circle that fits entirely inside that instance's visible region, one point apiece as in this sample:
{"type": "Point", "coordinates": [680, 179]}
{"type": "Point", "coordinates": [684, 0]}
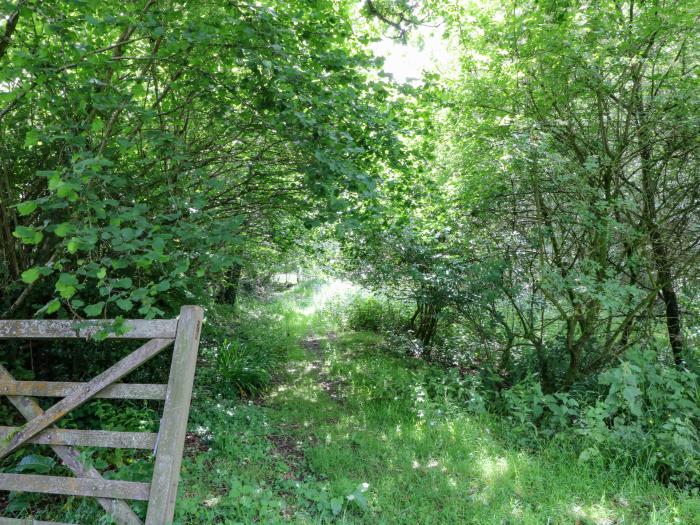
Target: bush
{"type": "Point", "coordinates": [534, 414]}
{"type": "Point", "coordinates": [366, 313]}
{"type": "Point", "coordinates": [643, 412]}
{"type": "Point", "coordinates": [374, 315]}
{"type": "Point", "coordinates": [243, 350]}
{"type": "Point", "coordinates": [647, 413]}
{"type": "Point", "coordinates": [652, 414]}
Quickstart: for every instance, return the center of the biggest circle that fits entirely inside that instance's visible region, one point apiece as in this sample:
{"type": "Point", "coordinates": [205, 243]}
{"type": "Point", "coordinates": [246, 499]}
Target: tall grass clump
{"type": "Point", "coordinates": [244, 367]}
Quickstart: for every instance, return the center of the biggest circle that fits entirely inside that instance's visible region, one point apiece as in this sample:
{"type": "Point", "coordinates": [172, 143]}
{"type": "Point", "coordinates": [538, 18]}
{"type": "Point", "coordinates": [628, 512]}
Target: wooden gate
{"type": "Point", "coordinates": [167, 444]}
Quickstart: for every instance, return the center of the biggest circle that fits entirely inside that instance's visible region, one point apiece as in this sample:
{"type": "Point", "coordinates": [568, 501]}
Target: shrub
{"type": "Point", "coordinates": [536, 414]}
{"type": "Point", "coordinates": [365, 313]}
{"type": "Point", "coordinates": [651, 414]}
{"type": "Point", "coordinates": [647, 413]}
{"type": "Point", "coordinates": [374, 315]}
{"type": "Point", "coordinates": [243, 349]}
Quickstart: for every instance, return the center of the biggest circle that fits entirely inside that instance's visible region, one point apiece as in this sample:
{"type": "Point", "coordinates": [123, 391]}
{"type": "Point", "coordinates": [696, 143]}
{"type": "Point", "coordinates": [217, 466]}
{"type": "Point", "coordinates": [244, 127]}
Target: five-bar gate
{"type": "Point", "coordinates": [40, 428]}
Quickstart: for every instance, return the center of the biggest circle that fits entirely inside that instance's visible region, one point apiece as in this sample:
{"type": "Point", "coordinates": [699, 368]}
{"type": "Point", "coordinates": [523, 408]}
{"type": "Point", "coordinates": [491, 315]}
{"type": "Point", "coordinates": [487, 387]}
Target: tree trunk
{"type": "Point", "coordinates": [673, 316]}
{"type": "Point", "coordinates": [229, 291]}
{"type": "Point", "coordinates": [427, 324]}
{"type": "Point", "coordinates": [660, 253]}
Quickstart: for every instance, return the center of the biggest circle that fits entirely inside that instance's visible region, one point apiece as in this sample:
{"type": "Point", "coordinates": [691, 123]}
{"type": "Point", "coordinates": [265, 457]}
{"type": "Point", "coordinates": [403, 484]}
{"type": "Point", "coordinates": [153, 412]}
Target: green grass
{"type": "Point", "coordinates": [346, 434]}
{"type": "Point", "coordinates": [349, 436]}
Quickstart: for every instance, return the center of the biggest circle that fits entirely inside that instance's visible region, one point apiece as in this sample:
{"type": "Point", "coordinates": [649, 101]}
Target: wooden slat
{"type": "Point", "coordinates": [71, 458]}
{"type": "Point", "coordinates": [51, 329]}
{"type": "Point", "coordinates": [63, 388]}
{"type": "Point", "coordinates": [166, 472]}
{"type": "Point", "coordinates": [100, 488]}
{"type": "Point", "coordinates": [84, 392]}
{"type": "Point", "coordinates": [29, 521]}
{"type": "Point", "coordinates": [88, 438]}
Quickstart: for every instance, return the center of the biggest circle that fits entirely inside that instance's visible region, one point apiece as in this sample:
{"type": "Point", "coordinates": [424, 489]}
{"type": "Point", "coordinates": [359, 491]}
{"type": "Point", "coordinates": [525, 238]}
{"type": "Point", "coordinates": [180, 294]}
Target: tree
{"type": "Point", "coordinates": [149, 146]}
{"type": "Point", "coordinates": [587, 114]}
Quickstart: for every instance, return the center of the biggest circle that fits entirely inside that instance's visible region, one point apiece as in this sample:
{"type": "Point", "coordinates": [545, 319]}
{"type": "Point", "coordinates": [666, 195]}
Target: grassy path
{"type": "Point", "coordinates": [349, 435]}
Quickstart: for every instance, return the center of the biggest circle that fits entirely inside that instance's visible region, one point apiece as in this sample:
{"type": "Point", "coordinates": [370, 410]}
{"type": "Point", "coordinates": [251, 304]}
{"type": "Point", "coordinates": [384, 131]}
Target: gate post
{"type": "Point", "coordinates": [166, 474]}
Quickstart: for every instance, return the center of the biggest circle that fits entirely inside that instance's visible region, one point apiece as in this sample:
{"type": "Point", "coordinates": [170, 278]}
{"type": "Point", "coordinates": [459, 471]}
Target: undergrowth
{"type": "Point", "coordinates": [297, 418]}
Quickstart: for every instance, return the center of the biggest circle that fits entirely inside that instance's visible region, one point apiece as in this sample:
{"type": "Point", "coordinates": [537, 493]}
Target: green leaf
{"type": "Point", "coordinates": [125, 304]}
{"type": "Point", "coordinates": [138, 91]}
{"type": "Point", "coordinates": [124, 282]}
{"type": "Point", "coordinates": [101, 273]}
{"type": "Point", "coordinates": [73, 245]}
{"type": "Point", "coordinates": [631, 395]}
{"type": "Point", "coordinates": [55, 180]}
{"type": "Point", "coordinates": [358, 496]}
{"type": "Point", "coordinates": [68, 190]}
{"type": "Point", "coordinates": [159, 244]}
{"type": "Point", "coordinates": [336, 506]}
{"type": "Point", "coordinates": [119, 264]}
{"type": "Point", "coordinates": [31, 275]}
{"type": "Point", "coordinates": [63, 229]}
{"type": "Point", "coordinates": [588, 454]}
{"type": "Point", "coordinates": [68, 278]}
{"type": "Point", "coordinates": [25, 208]}
{"type": "Point", "coordinates": [67, 285]}
{"type": "Point", "coordinates": [93, 310]}
{"type": "Point", "coordinates": [28, 235]}
{"type": "Point", "coordinates": [139, 294]}
{"type": "Point", "coordinates": [97, 125]}
{"type": "Point", "coordinates": [53, 306]}
{"type": "Point", "coordinates": [31, 138]}
{"type": "Point", "coordinates": [66, 291]}
{"type": "Point", "coordinates": [35, 463]}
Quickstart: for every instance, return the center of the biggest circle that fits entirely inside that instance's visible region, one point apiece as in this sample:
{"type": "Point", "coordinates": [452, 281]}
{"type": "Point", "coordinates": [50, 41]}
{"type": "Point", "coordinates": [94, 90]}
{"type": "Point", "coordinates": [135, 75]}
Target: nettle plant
{"type": "Point", "coordinates": [651, 414]}
{"type": "Point", "coordinates": [642, 413]}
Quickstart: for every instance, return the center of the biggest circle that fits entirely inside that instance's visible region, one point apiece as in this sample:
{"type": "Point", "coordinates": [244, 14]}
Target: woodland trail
{"type": "Point", "coordinates": [355, 432]}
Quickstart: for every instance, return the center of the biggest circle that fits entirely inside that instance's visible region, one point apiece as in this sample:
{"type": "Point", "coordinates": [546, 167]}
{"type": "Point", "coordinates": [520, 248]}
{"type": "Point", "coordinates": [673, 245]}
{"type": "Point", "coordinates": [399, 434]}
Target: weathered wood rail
{"type": "Point", "coordinates": [40, 428]}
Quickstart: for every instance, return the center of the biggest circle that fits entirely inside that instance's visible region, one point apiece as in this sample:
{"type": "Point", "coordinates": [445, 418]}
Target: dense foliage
{"type": "Point", "coordinates": [525, 227]}
{"type": "Point", "coordinates": [148, 148]}
{"type": "Point", "coordinates": [559, 216]}
{"type": "Point", "coordinates": [546, 234]}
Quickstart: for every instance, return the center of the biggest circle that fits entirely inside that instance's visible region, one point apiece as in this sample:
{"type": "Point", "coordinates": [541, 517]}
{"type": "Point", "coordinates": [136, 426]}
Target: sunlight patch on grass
{"type": "Point", "coordinates": [597, 514]}
{"type": "Point", "coordinates": [493, 468]}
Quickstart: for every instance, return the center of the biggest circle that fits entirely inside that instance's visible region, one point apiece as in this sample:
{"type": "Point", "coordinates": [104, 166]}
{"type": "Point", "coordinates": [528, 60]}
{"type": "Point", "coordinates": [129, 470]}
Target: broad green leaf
{"type": "Point", "coordinates": [31, 138]}
{"type": "Point", "coordinates": [28, 235]}
{"type": "Point", "coordinates": [53, 306]}
{"type": "Point", "coordinates": [125, 304]}
{"type": "Point", "coordinates": [631, 395]}
{"type": "Point", "coordinates": [63, 229]}
{"type": "Point", "coordinates": [66, 291]}
{"type": "Point", "coordinates": [336, 506]}
{"type": "Point", "coordinates": [25, 208]}
{"type": "Point", "coordinates": [124, 282]}
{"type": "Point", "coordinates": [93, 310]}
{"type": "Point", "coordinates": [68, 278]}
{"type": "Point", "coordinates": [73, 245]}
{"type": "Point", "coordinates": [30, 275]}
{"type": "Point", "coordinates": [35, 463]}
{"type": "Point", "coordinates": [67, 285]}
